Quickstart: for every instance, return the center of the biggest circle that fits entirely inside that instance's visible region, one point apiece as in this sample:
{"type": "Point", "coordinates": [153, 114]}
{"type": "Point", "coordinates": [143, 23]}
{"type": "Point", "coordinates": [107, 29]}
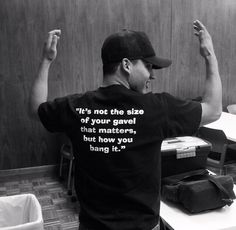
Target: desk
{"type": "Point", "coordinates": [227, 123]}
{"type": "Point", "coordinates": [219, 219]}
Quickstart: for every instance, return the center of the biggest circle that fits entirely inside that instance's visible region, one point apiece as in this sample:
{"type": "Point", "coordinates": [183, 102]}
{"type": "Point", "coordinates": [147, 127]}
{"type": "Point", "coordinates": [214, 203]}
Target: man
{"type": "Point", "coordinates": [117, 130]}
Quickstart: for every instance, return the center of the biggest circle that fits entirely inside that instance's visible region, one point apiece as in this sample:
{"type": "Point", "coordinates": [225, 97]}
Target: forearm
{"type": "Point", "coordinates": [39, 91]}
{"type": "Point", "coordinates": [212, 98]}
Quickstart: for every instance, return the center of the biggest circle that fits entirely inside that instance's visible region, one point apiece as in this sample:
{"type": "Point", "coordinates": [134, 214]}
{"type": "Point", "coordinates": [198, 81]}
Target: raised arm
{"type": "Point", "coordinates": [39, 90]}
{"type": "Point", "coordinates": [212, 97]}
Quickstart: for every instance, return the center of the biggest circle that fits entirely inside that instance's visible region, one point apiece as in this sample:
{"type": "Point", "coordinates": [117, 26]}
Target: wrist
{"type": "Point", "coordinates": [45, 62]}
{"type": "Point", "coordinates": [210, 58]}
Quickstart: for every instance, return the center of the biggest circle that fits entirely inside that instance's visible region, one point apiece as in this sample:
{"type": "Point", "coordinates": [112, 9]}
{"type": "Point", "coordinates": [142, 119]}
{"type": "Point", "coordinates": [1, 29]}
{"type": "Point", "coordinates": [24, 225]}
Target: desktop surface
{"type": "Point", "coordinates": [227, 123]}
{"type": "Point", "coordinates": [219, 219]}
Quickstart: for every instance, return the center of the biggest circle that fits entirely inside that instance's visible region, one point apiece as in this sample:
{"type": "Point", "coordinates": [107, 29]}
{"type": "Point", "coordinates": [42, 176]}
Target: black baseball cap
{"type": "Point", "coordinates": [132, 45]}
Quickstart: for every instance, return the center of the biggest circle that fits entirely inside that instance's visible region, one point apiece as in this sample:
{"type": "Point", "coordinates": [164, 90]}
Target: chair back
{"type": "Point", "coordinates": [67, 151]}
{"type": "Point", "coordinates": [216, 137]}
{"type": "Point", "coordinates": [219, 143]}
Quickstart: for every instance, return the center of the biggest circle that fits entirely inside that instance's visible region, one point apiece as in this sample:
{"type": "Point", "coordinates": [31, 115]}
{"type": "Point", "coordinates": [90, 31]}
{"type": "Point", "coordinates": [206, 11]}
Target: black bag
{"type": "Point", "coordinates": [198, 191]}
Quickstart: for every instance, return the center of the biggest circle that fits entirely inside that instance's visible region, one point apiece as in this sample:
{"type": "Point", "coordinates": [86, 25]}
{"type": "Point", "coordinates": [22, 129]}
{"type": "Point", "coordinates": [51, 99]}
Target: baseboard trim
{"type": "Point", "coordinates": [48, 169]}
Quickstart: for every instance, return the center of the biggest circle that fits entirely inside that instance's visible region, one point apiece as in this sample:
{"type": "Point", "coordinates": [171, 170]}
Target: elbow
{"type": "Point", "coordinates": [32, 111]}
{"type": "Point", "coordinates": [210, 114]}
{"type": "Point", "coordinates": [215, 115]}
{"type": "Point", "coordinates": [218, 111]}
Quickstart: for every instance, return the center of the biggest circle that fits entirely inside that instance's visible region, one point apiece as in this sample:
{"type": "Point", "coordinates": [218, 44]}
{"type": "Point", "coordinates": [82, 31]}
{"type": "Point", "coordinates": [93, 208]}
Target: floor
{"type": "Point", "coordinates": [60, 211]}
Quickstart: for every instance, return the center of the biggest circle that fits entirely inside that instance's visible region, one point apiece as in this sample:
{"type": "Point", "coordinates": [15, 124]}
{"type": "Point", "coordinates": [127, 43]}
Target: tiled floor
{"type": "Point", "coordinates": [59, 212]}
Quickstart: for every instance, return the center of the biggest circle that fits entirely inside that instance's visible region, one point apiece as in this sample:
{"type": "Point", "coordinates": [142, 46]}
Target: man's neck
{"type": "Point", "coordinates": [114, 80]}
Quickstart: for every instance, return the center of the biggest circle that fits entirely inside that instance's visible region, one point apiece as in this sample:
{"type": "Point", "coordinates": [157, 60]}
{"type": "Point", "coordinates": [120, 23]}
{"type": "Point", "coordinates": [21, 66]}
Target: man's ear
{"type": "Point", "coordinates": [126, 65]}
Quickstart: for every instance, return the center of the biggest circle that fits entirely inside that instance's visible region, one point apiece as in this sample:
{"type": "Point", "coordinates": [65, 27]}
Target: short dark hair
{"type": "Point", "coordinates": [111, 68]}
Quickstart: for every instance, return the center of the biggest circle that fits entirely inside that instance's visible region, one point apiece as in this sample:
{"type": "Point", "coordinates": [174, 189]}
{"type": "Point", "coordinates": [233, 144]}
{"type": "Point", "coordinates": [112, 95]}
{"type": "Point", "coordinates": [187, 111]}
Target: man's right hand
{"type": "Point", "coordinates": [206, 45]}
{"type": "Point", "coordinates": [50, 45]}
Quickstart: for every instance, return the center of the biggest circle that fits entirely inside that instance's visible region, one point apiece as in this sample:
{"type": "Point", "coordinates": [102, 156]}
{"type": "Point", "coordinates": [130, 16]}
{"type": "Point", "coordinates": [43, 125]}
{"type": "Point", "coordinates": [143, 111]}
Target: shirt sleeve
{"type": "Point", "coordinates": [183, 117]}
{"type": "Point", "coordinates": [51, 114]}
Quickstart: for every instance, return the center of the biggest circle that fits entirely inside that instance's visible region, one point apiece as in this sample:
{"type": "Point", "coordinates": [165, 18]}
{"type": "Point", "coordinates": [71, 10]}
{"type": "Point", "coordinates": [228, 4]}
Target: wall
{"type": "Point", "coordinates": [85, 23]}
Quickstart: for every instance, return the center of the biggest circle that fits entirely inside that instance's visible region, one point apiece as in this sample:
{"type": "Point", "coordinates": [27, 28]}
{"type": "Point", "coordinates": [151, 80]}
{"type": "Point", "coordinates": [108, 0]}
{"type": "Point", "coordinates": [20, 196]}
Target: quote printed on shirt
{"type": "Point", "coordinates": [108, 130]}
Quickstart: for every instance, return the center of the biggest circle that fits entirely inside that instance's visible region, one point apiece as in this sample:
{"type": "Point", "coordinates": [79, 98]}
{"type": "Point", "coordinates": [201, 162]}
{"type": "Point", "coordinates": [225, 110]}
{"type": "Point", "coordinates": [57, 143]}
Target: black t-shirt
{"type": "Point", "coordinates": [116, 135]}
